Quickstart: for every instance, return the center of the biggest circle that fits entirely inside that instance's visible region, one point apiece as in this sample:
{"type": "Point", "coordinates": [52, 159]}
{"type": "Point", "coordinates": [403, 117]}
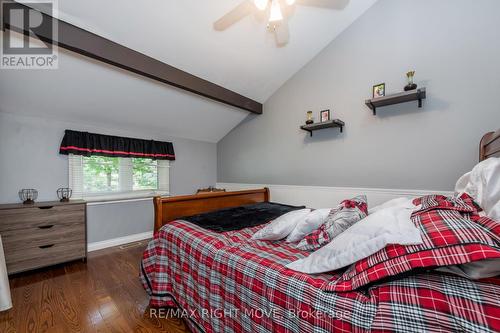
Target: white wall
{"type": "Point", "coordinates": [453, 46]}
{"type": "Point", "coordinates": [29, 158]}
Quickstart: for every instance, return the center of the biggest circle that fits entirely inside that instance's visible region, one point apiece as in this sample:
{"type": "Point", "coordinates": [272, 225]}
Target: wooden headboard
{"type": "Point", "coordinates": [490, 145]}
{"type": "Point", "coordinates": [169, 209]}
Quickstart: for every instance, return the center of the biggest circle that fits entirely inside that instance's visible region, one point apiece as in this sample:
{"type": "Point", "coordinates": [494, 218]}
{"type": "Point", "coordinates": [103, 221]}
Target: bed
{"type": "Point", "coordinates": [227, 282]}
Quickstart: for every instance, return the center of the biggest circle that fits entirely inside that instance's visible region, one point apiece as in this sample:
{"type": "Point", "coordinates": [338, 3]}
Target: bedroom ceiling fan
{"type": "Point", "coordinates": [277, 11]}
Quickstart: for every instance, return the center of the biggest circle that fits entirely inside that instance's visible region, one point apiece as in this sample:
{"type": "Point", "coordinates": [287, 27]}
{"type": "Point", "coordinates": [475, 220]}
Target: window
{"type": "Point", "coordinates": [145, 174]}
{"type": "Point", "coordinates": [101, 174]}
{"type": "Point", "coordinates": [102, 178]}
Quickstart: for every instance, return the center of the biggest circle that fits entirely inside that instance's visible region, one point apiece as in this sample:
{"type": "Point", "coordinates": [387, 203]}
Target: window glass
{"type": "Point", "coordinates": [145, 174]}
{"type": "Point", "coordinates": [101, 174]}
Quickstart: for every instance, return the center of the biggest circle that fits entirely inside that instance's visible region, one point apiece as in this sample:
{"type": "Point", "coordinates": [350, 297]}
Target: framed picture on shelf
{"type": "Point", "coordinates": [379, 90]}
{"type": "Point", "coordinates": [324, 115]}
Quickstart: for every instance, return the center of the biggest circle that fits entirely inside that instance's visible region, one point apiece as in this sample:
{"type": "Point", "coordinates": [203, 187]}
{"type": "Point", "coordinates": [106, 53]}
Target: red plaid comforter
{"type": "Point", "coordinates": [227, 282]}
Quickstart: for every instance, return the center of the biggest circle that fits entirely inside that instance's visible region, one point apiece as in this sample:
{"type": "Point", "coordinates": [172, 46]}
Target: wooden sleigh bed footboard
{"type": "Point", "coordinates": [171, 208]}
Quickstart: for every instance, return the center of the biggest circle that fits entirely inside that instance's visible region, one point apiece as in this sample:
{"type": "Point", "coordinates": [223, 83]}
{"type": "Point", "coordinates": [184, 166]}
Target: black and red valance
{"type": "Point", "coordinates": [87, 144]}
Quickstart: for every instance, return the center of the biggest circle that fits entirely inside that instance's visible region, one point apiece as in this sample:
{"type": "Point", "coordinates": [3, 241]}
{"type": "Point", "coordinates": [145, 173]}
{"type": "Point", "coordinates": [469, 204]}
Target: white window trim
{"type": "Point", "coordinates": [118, 201]}
{"type": "Point", "coordinates": [75, 164]}
{"type": "Point", "coordinates": [124, 196]}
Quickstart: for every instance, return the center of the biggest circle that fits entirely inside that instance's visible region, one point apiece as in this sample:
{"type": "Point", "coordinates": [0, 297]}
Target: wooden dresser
{"type": "Point", "coordinates": [43, 234]}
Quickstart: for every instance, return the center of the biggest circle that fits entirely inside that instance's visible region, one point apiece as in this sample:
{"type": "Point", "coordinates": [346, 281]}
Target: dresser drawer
{"type": "Point", "coordinates": [34, 217]}
{"type": "Point", "coordinates": [18, 240]}
{"type": "Point", "coordinates": [40, 256]}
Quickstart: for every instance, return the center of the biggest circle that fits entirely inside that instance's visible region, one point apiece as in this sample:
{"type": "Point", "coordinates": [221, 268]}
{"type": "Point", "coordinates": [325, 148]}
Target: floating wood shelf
{"type": "Point", "coordinates": [407, 96]}
{"type": "Point", "coordinates": [325, 124]}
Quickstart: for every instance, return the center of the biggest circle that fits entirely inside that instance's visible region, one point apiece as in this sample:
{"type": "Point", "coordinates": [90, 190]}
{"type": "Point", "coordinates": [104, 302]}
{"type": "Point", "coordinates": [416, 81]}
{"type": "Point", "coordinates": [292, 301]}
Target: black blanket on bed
{"type": "Point", "coordinates": [237, 218]}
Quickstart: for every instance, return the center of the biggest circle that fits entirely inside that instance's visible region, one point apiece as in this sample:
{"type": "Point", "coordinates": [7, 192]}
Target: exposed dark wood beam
{"type": "Point", "coordinates": [91, 45]}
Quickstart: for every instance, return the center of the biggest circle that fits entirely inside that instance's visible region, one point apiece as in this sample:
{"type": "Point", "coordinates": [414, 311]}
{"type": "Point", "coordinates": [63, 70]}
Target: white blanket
{"type": "Point", "coordinates": [386, 226]}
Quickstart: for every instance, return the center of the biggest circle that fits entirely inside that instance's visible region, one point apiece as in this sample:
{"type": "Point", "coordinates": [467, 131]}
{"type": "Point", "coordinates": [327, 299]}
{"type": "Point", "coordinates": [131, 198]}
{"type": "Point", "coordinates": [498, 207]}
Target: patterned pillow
{"type": "Point", "coordinates": [452, 234]}
{"type": "Point", "coordinates": [339, 220]}
{"type": "Point", "coordinates": [462, 204]}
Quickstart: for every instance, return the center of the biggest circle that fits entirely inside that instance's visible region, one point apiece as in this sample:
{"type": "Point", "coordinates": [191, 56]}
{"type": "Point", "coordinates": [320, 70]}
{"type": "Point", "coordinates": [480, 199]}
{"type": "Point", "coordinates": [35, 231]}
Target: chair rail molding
{"type": "Point", "coordinates": [324, 197]}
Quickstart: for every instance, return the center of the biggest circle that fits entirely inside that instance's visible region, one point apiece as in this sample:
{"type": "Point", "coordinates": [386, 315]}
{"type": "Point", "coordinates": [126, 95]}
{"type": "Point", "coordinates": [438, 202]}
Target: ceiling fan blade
{"type": "Point", "coordinates": [331, 4]}
{"type": "Point", "coordinates": [281, 33]}
{"type": "Point", "coordinates": [243, 9]}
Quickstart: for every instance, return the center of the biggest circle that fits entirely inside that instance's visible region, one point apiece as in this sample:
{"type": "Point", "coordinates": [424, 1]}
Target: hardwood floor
{"type": "Point", "coordinates": [102, 295]}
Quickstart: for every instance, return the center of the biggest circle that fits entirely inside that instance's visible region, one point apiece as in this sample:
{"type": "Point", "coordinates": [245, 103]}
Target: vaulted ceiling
{"type": "Point", "coordinates": [244, 58]}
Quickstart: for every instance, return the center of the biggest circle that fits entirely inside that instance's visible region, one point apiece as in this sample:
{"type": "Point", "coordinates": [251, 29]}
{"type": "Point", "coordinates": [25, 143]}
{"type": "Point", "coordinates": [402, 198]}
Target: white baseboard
{"type": "Point", "coordinates": [119, 241]}
{"type": "Point", "coordinates": [325, 197]}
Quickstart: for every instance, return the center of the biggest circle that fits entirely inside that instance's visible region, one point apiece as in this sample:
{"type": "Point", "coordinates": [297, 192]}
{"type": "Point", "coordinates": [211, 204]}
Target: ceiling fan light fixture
{"type": "Point", "coordinates": [275, 14]}
{"type": "Point", "coordinates": [261, 4]}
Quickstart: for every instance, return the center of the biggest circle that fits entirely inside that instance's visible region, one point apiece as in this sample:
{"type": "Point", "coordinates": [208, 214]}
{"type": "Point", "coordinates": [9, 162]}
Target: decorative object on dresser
{"type": "Point", "coordinates": [43, 234]}
{"type": "Point", "coordinates": [326, 124]}
{"type": "Point", "coordinates": [28, 195]}
{"type": "Point", "coordinates": [403, 97]}
{"type": "Point", "coordinates": [410, 86]}
{"type": "Point", "coordinates": [210, 189]}
{"type": "Point", "coordinates": [64, 194]}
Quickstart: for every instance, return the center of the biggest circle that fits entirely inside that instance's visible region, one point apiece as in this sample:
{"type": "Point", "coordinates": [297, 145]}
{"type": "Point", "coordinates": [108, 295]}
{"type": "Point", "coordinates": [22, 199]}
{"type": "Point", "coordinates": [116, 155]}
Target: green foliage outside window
{"type": "Point", "coordinates": [102, 174]}
{"type": "Point", "coordinates": [145, 173]}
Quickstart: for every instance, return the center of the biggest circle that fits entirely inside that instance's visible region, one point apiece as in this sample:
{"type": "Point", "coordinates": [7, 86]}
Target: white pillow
{"type": "Point", "coordinates": [281, 226]}
{"type": "Point", "coordinates": [483, 185]}
{"type": "Point", "coordinates": [391, 203]}
{"type": "Point", "coordinates": [312, 222]}
{"type": "Point", "coordinates": [362, 239]}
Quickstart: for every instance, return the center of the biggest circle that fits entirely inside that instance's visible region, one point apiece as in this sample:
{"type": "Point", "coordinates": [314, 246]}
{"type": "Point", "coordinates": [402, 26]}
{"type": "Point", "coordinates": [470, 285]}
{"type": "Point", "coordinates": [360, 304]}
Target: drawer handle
{"type": "Point", "coordinates": [46, 246]}
{"type": "Point", "coordinates": [45, 226]}
{"type": "Point", "coordinates": [45, 207]}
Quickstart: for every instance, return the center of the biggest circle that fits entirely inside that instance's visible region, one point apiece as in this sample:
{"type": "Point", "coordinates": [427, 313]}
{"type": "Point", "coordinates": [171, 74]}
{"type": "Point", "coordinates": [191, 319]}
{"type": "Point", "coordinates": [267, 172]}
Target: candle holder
{"type": "Point", "coordinates": [28, 196]}
{"type": "Point", "coordinates": [64, 193]}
